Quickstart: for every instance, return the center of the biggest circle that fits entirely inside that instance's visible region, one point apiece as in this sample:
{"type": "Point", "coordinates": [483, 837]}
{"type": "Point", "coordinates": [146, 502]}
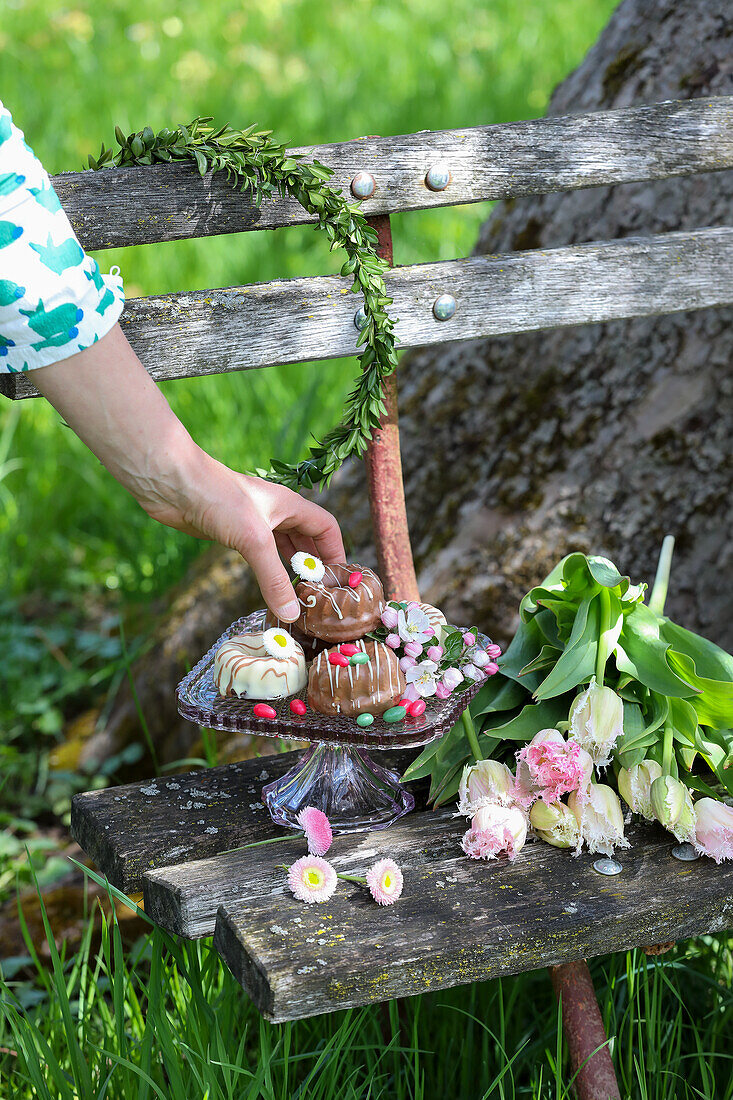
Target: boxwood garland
{"type": "Point", "coordinates": [254, 162]}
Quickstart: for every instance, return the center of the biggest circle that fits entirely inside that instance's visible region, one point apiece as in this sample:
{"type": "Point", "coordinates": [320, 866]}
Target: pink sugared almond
{"type": "Point", "coordinates": [297, 706]}
{"type": "Point", "coordinates": [262, 710]}
{"type": "Point", "coordinates": [355, 579]}
{"type": "Point", "coordinates": [416, 708]}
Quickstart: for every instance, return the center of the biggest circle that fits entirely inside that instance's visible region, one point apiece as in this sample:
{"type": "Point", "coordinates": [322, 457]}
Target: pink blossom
{"type": "Point", "coordinates": [548, 767]}
{"type": "Point", "coordinates": [491, 668]}
{"type": "Point", "coordinates": [469, 639]}
{"type": "Point", "coordinates": [441, 691]}
{"type": "Point", "coordinates": [470, 672]}
{"type": "Point", "coordinates": [435, 652]}
{"type": "Point", "coordinates": [493, 650]}
{"type": "Point", "coordinates": [393, 641]}
{"type": "Point", "coordinates": [317, 829]}
{"type": "Point", "coordinates": [413, 625]}
{"type": "Point", "coordinates": [312, 879]}
{"type": "Point", "coordinates": [480, 658]}
{"type": "Point", "coordinates": [422, 678]}
{"type": "Point", "coordinates": [413, 649]}
{"type": "Point", "coordinates": [714, 829]}
{"type": "Point", "coordinates": [496, 830]}
{"type": "Point", "coordinates": [389, 617]}
{"type": "Point", "coordinates": [452, 678]}
{"type": "Point", "coordinates": [385, 881]}
{"type": "Point", "coordinates": [410, 693]}
{"type": "Point", "coordinates": [407, 662]}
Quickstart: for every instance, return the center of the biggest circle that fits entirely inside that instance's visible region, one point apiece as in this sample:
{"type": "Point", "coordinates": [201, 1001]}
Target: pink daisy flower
{"type": "Point", "coordinates": [312, 879]}
{"type": "Point", "coordinates": [385, 881]}
{"type": "Point", "coordinates": [317, 830]}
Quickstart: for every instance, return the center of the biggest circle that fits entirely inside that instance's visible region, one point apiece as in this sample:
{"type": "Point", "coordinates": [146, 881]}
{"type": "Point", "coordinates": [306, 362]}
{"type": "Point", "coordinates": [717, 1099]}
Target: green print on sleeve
{"type": "Point", "coordinates": [10, 182]}
{"type": "Point", "coordinates": [58, 257]}
{"type": "Point", "coordinates": [10, 292]}
{"type": "Point", "coordinates": [108, 298]}
{"type": "Point", "coordinates": [9, 233]}
{"type": "Point", "coordinates": [58, 326]}
{"type": "Point", "coordinates": [5, 128]}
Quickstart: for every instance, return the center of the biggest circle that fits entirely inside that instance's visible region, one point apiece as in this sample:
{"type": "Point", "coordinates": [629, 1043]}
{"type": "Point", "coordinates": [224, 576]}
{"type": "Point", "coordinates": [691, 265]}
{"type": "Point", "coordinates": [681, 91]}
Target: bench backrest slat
{"type": "Point", "coordinates": [303, 319]}
{"type": "Point", "coordinates": [129, 206]}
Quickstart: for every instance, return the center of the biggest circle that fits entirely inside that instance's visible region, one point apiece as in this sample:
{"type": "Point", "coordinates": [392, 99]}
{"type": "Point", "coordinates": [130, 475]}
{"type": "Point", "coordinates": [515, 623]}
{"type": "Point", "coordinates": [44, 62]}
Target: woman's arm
{"type": "Point", "coordinates": [105, 394]}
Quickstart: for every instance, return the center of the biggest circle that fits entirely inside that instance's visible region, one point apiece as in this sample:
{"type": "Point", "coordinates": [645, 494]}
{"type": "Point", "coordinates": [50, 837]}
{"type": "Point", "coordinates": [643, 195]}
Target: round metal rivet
{"type": "Point", "coordinates": [360, 318]}
{"type": "Point", "coordinates": [438, 176]}
{"type": "Point", "coordinates": [362, 185]}
{"type": "Point", "coordinates": [607, 866]}
{"type": "Point", "coordinates": [685, 852]}
{"type": "Point", "coordinates": [444, 307]}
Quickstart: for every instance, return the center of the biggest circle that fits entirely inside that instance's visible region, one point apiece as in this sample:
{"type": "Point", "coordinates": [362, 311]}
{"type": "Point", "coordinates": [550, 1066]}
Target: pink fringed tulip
{"type": "Point", "coordinates": [317, 830]}
{"type": "Point", "coordinates": [485, 783]}
{"type": "Point", "coordinates": [598, 813]}
{"type": "Point", "coordinates": [672, 806]}
{"type": "Point", "coordinates": [312, 879]}
{"type": "Point", "coordinates": [714, 829]}
{"type": "Point", "coordinates": [385, 881]}
{"type": "Point", "coordinates": [634, 786]}
{"type": "Point", "coordinates": [495, 831]}
{"type": "Point", "coordinates": [548, 767]}
{"type": "Point", "coordinates": [556, 824]}
{"type": "Point", "coordinates": [597, 721]}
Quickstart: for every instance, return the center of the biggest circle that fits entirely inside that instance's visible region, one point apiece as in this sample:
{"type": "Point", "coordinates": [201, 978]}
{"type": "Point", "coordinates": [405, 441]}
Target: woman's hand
{"type": "Point", "coordinates": [105, 394]}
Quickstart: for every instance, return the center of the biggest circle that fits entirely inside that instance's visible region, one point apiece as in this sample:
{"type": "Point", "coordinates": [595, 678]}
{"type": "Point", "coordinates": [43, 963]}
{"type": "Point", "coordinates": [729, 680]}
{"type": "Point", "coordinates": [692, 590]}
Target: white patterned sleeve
{"type": "Point", "coordinates": [54, 300]}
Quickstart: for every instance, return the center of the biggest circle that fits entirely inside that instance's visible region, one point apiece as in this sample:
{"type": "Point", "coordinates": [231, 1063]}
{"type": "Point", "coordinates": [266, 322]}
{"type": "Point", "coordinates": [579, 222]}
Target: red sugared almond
{"type": "Point", "coordinates": [338, 659]}
{"type": "Point", "coordinates": [297, 706]}
{"type": "Point", "coordinates": [406, 703]}
{"type": "Point", "coordinates": [416, 708]}
{"type": "Point", "coordinates": [262, 710]}
{"type": "Point", "coordinates": [355, 579]}
{"type": "Point", "coordinates": [349, 649]}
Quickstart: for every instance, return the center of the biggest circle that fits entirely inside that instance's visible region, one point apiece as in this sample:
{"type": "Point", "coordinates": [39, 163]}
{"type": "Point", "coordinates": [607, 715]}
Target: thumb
{"type": "Point", "coordinates": [272, 576]}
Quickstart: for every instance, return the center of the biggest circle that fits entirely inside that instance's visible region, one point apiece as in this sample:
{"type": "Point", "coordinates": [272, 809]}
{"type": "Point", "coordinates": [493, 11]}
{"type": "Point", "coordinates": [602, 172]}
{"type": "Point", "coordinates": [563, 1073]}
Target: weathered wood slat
{"type": "Point", "coordinates": [132, 829]}
{"type": "Point", "coordinates": [460, 921]}
{"type": "Point", "coordinates": [241, 328]}
{"type": "Point", "coordinates": [169, 202]}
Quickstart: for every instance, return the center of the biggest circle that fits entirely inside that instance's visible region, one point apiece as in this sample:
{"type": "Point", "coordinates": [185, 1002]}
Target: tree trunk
{"type": "Point", "coordinates": [599, 438]}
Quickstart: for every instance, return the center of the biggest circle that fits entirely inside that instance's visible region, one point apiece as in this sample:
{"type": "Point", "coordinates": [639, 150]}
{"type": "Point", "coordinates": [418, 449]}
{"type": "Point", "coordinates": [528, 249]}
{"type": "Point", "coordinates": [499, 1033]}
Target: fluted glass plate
{"type": "Point", "coordinates": [199, 701]}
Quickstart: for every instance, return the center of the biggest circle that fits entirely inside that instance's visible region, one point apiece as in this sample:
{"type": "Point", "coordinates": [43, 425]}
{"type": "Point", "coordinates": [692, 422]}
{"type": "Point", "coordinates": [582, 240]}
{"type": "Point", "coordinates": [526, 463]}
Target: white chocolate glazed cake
{"type": "Point", "coordinates": [246, 667]}
{"type": "Point", "coordinates": [435, 617]}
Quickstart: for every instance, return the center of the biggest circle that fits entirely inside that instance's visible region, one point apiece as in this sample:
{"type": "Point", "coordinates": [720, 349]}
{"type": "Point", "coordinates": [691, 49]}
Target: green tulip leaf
{"type": "Point", "coordinates": [684, 720]}
{"type": "Point", "coordinates": [524, 647]}
{"type": "Point", "coordinates": [546, 658]}
{"type": "Point", "coordinates": [577, 663]}
{"type": "Point", "coordinates": [710, 660]}
{"type": "Point", "coordinates": [605, 573]}
{"type": "Point", "coordinates": [548, 624]}
{"type": "Point", "coordinates": [530, 720]}
{"type": "Point", "coordinates": [642, 653]}
{"type": "Point", "coordinates": [498, 694]}
{"type": "Point", "coordinates": [714, 706]}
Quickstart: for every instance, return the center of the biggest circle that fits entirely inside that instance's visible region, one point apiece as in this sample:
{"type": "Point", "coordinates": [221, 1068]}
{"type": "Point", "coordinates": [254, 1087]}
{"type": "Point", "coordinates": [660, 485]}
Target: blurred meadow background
{"type": "Point", "coordinates": [77, 554]}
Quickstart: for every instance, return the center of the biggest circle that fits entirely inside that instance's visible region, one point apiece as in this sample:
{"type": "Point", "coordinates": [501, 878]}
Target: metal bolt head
{"type": "Point", "coordinates": [362, 185]}
{"type": "Point", "coordinates": [444, 307]}
{"type": "Point", "coordinates": [360, 318]}
{"type": "Point", "coordinates": [607, 866]}
{"type": "Point", "coordinates": [438, 176]}
{"type": "Point", "coordinates": [685, 852]}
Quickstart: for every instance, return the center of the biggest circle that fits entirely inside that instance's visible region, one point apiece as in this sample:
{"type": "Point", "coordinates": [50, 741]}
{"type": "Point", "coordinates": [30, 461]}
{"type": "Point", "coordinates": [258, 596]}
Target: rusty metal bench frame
{"type": "Point", "coordinates": [296, 320]}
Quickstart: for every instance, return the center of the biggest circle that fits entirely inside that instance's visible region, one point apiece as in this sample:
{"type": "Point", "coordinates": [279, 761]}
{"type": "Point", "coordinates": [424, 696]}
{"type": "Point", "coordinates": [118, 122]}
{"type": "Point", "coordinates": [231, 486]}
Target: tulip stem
{"type": "Point", "coordinates": [658, 597]}
{"type": "Point", "coordinates": [667, 750]}
{"type": "Point", "coordinates": [471, 734]}
{"type": "Point", "coordinates": [603, 652]}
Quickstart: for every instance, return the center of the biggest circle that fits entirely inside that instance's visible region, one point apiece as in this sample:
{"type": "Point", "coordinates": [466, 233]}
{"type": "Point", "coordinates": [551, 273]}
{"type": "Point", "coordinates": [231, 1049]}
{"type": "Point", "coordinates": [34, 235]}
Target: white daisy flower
{"type": "Point", "coordinates": [278, 643]}
{"type": "Point", "coordinates": [308, 567]}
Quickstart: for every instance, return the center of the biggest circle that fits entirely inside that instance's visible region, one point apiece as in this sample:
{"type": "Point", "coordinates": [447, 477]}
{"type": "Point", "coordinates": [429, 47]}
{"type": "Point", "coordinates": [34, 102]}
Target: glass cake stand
{"type": "Point", "coordinates": [335, 774]}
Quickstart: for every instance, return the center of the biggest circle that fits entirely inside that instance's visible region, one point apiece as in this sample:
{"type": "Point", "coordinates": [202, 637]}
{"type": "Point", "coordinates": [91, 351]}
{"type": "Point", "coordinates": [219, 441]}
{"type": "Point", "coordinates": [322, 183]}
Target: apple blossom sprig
{"type": "Point", "coordinates": [435, 663]}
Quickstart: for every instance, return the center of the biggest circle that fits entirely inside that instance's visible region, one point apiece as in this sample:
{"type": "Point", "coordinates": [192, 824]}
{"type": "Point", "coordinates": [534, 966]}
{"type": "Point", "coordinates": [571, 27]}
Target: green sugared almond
{"type": "Point", "coordinates": [359, 659]}
{"type": "Point", "coordinates": [394, 714]}
{"type": "Point", "coordinates": [365, 719]}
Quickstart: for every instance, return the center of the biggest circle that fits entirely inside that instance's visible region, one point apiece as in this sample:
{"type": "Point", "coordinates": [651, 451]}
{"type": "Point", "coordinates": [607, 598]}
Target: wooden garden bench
{"type": "Point", "coordinates": [458, 921]}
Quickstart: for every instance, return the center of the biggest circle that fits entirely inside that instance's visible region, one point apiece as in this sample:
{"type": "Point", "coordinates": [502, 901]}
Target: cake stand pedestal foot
{"type": "Point", "coordinates": [353, 791]}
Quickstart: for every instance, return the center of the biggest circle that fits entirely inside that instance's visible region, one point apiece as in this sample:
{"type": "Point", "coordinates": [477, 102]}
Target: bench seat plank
{"type": "Point", "coordinates": [132, 829]}
{"type": "Point", "coordinates": [460, 921]}
{"type": "Point", "coordinates": [313, 318]}
{"type": "Point", "coordinates": [129, 206]}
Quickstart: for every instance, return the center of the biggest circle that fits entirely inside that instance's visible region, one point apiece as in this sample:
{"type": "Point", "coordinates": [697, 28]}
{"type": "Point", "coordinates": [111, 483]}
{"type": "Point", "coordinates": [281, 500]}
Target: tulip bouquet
{"type": "Point", "coordinates": [597, 684]}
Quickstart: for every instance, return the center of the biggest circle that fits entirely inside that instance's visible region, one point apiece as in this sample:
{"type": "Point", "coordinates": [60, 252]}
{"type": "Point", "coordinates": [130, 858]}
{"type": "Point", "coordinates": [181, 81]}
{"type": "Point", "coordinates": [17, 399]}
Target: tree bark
{"type": "Point", "coordinates": [600, 438]}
